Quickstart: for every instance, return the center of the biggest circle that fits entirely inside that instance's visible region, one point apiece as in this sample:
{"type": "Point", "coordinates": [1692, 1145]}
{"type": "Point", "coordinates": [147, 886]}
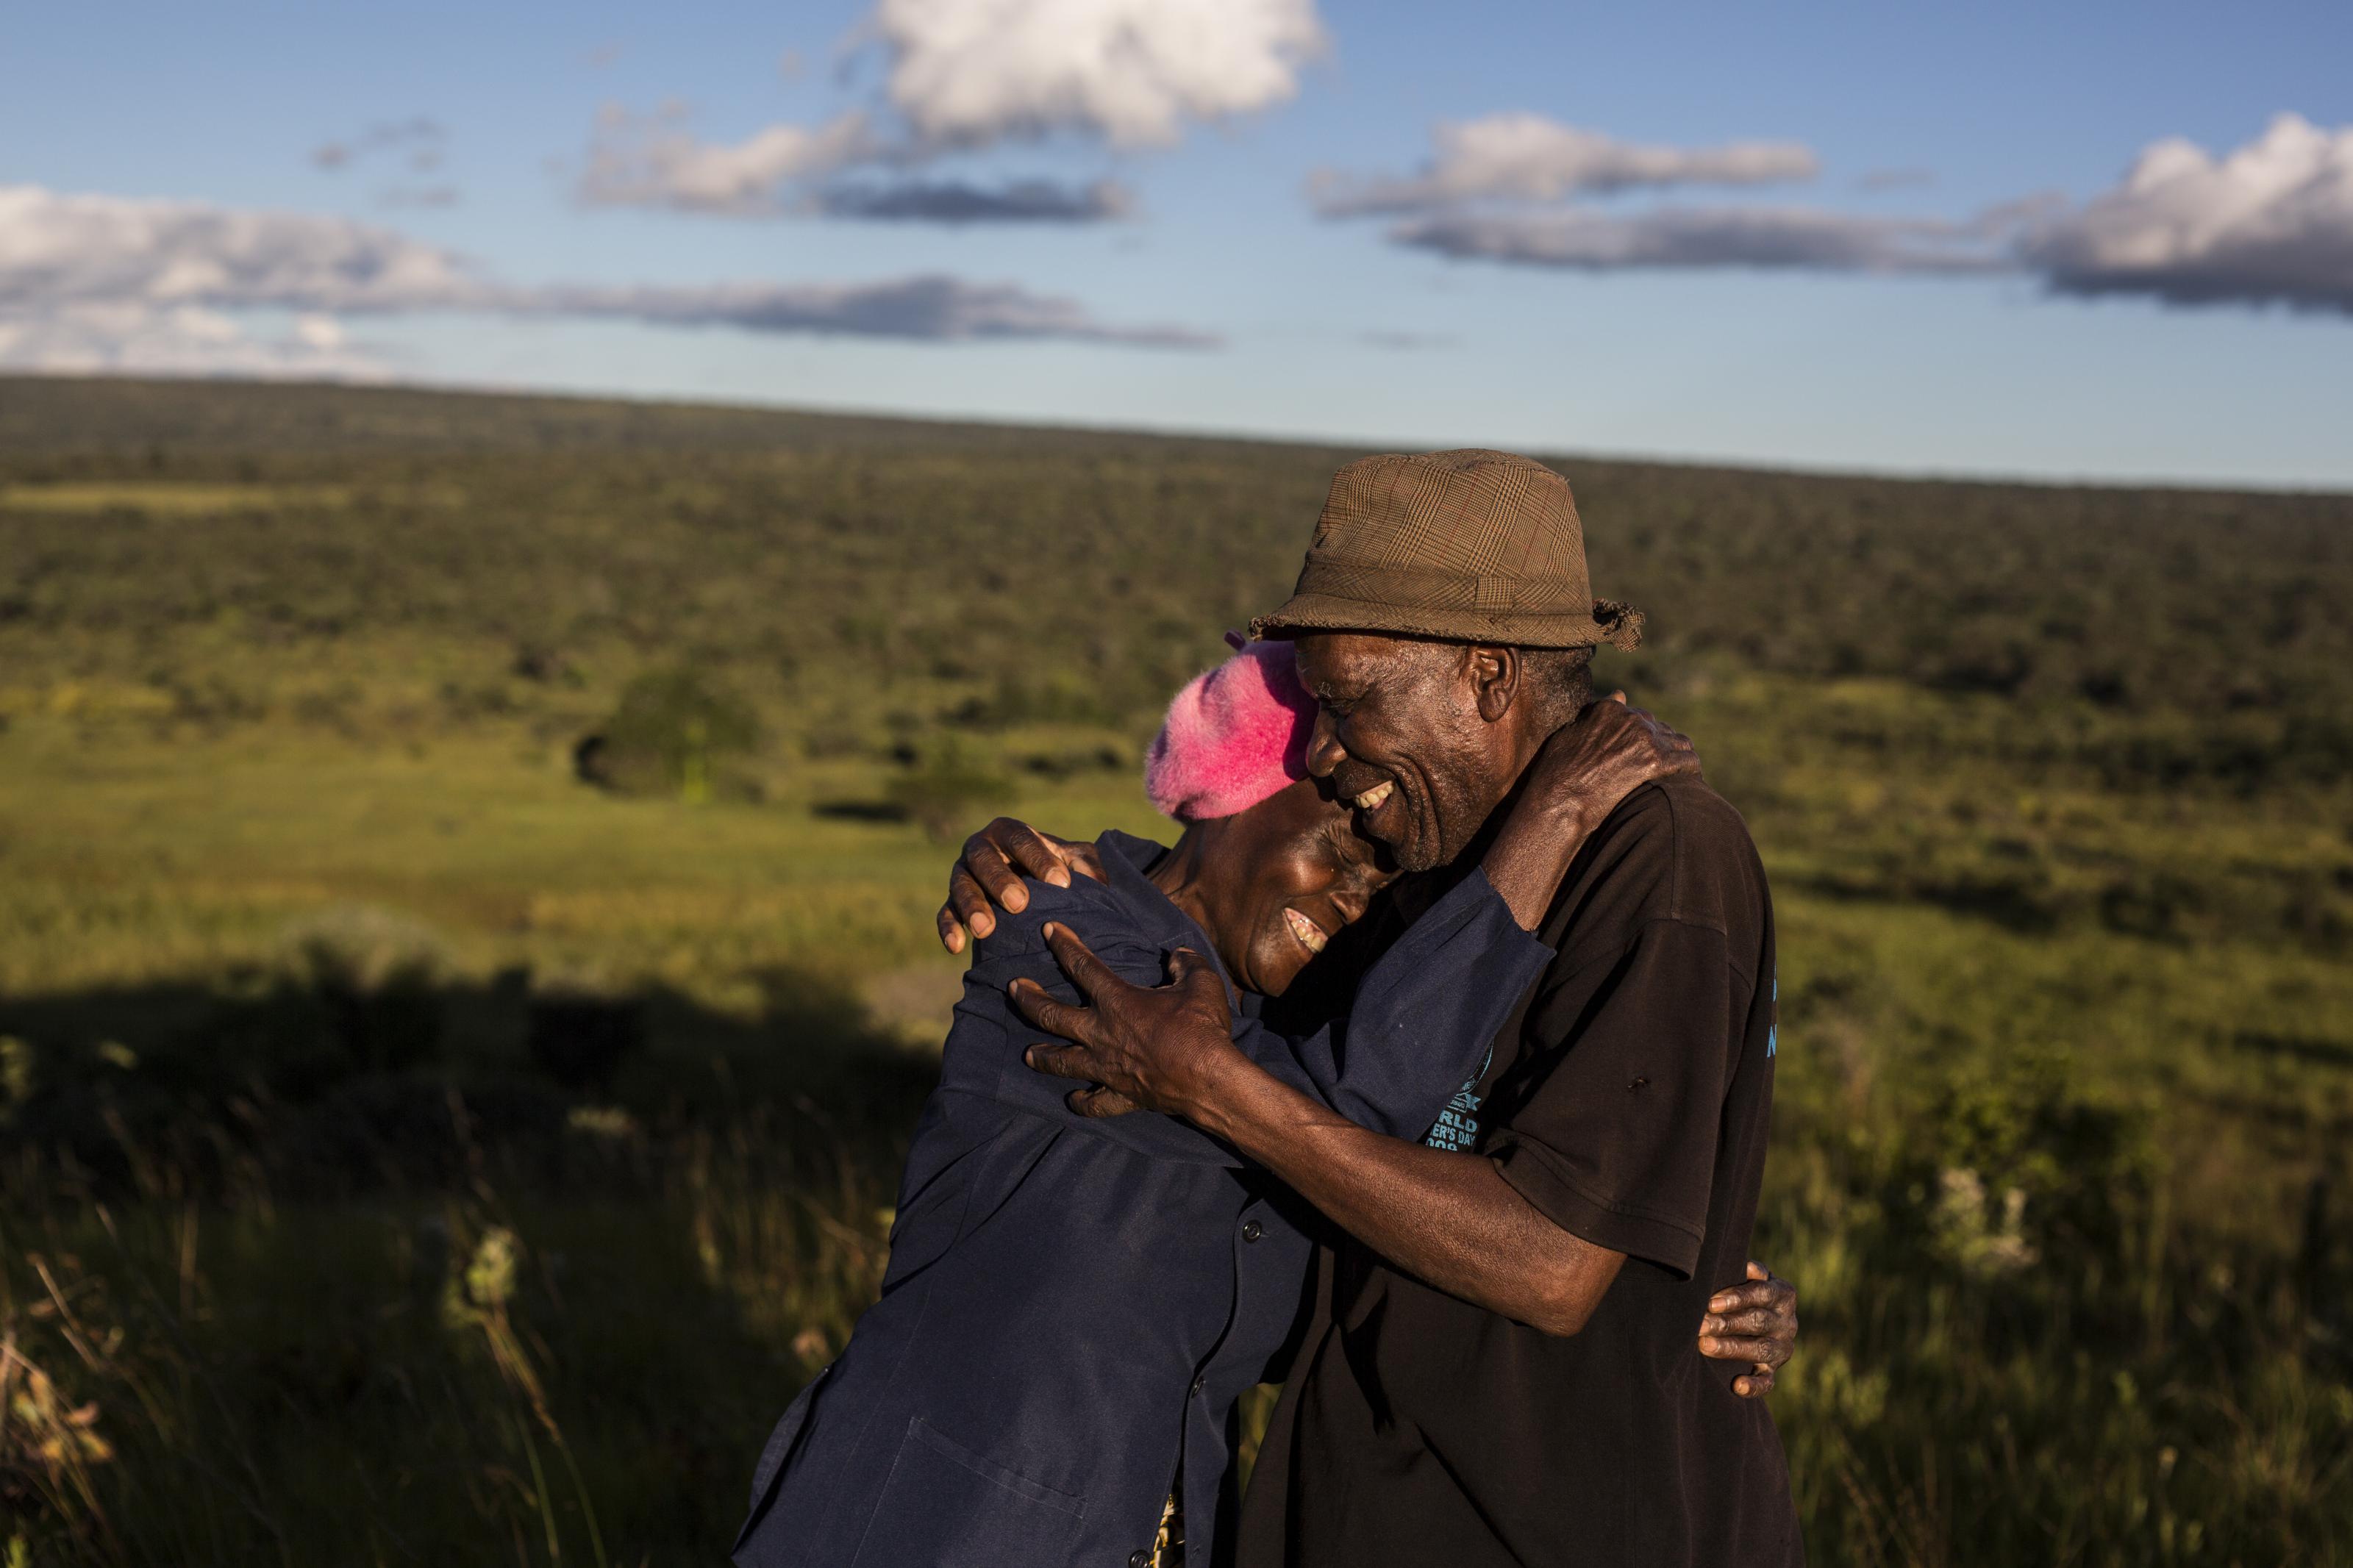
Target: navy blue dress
{"type": "Point", "coordinates": [1073, 1305]}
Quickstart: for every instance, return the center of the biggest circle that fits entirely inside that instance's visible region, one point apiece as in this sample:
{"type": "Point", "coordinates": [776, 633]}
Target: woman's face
{"type": "Point", "coordinates": [1305, 871]}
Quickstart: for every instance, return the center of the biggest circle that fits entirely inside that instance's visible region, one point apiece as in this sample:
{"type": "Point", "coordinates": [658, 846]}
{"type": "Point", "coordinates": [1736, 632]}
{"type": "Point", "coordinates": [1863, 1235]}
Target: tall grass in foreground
{"type": "Point", "coordinates": [2024, 1371]}
{"type": "Point", "coordinates": [569, 1351]}
{"type": "Point", "coordinates": [429, 1377]}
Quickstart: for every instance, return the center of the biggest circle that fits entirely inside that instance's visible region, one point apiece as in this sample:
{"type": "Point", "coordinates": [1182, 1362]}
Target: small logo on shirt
{"type": "Point", "coordinates": [1456, 1130]}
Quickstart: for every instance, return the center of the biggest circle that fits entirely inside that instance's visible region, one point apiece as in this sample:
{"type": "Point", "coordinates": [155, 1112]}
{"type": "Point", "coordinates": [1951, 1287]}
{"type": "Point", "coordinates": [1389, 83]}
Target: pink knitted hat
{"type": "Point", "coordinates": [1233, 737]}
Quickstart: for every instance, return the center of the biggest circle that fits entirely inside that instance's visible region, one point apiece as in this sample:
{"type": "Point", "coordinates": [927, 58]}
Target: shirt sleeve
{"type": "Point", "coordinates": [1614, 1139]}
{"type": "Point", "coordinates": [1420, 1022]}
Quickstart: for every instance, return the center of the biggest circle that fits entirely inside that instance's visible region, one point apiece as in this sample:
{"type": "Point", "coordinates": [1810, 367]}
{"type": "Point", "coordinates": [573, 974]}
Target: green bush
{"type": "Point", "coordinates": [678, 731]}
{"type": "Point", "coordinates": [950, 790]}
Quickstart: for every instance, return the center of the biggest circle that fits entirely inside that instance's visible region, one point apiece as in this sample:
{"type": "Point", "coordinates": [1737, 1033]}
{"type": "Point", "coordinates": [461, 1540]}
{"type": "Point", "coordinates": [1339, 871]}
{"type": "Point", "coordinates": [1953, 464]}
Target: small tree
{"type": "Point", "coordinates": [949, 788]}
{"type": "Point", "coordinates": [676, 728]}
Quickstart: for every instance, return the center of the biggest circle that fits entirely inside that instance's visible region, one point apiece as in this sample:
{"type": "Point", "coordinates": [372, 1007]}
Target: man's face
{"type": "Point", "coordinates": [1399, 734]}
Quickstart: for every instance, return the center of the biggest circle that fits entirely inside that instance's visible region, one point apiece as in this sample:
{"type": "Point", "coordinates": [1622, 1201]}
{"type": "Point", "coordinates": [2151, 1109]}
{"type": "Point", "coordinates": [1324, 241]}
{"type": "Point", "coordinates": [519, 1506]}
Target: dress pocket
{"type": "Point", "coordinates": [944, 1506]}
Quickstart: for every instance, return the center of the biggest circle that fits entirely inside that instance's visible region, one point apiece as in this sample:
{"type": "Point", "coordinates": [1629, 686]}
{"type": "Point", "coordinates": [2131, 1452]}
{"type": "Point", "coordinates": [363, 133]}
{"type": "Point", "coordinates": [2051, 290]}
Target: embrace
{"type": "Point", "coordinates": [1429, 1074]}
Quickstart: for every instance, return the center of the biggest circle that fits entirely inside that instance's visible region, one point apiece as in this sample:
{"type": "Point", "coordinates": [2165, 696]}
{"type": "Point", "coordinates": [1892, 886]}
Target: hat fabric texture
{"type": "Point", "coordinates": [1233, 736]}
{"type": "Point", "coordinates": [1470, 545]}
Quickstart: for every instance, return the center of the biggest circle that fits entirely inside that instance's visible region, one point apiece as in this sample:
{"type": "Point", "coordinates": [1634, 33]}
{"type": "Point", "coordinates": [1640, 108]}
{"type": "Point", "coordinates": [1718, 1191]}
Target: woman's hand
{"type": "Point", "coordinates": [1755, 1321]}
{"type": "Point", "coordinates": [1579, 777]}
{"type": "Point", "coordinates": [1585, 768]}
{"type": "Point", "coordinates": [990, 869]}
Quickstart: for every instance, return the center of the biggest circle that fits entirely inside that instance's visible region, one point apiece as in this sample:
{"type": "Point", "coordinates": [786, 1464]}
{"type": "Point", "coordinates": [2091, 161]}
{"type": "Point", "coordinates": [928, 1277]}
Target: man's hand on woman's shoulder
{"type": "Point", "coordinates": [989, 872]}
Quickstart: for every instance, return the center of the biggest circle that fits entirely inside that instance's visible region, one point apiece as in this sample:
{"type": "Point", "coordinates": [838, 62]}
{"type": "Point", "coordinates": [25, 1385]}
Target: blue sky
{"type": "Point", "coordinates": [1924, 322]}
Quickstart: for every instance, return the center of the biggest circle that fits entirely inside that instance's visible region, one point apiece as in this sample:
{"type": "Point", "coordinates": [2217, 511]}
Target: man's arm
{"type": "Point", "coordinates": [1584, 770]}
{"type": "Point", "coordinates": [1415, 1031]}
{"type": "Point", "coordinates": [1452, 1221]}
{"type": "Point", "coordinates": [1441, 996]}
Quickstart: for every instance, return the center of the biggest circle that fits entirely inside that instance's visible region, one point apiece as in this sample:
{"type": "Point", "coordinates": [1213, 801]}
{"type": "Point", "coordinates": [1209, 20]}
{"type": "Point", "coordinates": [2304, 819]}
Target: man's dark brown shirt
{"type": "Point", "coordinates": [1629, 1100]}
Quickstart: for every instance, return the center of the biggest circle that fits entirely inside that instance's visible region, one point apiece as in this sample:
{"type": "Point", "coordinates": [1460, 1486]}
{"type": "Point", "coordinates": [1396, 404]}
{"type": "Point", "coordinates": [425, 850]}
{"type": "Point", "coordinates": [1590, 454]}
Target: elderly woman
{"type": "Point", "coordinates": [1074, 1304]}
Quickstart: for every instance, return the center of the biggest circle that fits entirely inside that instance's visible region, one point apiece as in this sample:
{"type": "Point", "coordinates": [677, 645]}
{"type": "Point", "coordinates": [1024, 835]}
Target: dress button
{"type": "Point", "coordinates": [1198, 1384]}
{"type": "Point", "coordinates": [1252, 1230]}
{"type": "Point", "coordinates": [1138, 1558]}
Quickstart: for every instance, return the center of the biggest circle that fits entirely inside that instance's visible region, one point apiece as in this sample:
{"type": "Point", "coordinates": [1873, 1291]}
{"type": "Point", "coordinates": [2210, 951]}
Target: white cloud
{"type": "Point", "coordinates": [1504, 188]}
{"type": "Point", "coordinates": [1531, 157]}
{"type": "Point", "coordinates": [2269, 223]}
{"type": "Point", "coordinates": [186, 339]}
{"type": "Point", "coordinates": [60, 250]}
{"type": "Point", "coordinates": [1134, 72]}
{"type": "Point", "coordinates": [1781, 237]}
{"type": "Point", "coordinates": [108, 282]}
{"type": "Point", "coordinates": [965, 75]}
{"type": "Point", "coordinates": [633, 163]}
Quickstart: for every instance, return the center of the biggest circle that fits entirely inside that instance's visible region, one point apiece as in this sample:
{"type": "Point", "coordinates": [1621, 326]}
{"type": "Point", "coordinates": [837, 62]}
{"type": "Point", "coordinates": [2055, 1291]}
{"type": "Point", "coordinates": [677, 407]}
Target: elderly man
{"type": "Point", "coordinates": [1501, 1369]}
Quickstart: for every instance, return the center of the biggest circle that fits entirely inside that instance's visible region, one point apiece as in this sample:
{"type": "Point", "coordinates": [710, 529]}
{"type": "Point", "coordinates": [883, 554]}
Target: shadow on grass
{"type": "Point", "coordinates": [873, 811]}
{"type": "Point", "coordinates": [344, 1088]}
{"type": "Point", "coordinates": [458, 1308]}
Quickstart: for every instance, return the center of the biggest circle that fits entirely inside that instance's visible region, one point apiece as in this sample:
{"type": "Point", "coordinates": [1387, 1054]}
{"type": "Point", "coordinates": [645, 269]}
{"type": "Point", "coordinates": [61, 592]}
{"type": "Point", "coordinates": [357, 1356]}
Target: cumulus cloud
{"type": "Point", "coordinates": [658, 163]}
{"type": "Point", "coordinates": [107, 282]}
{"type": "Point", "coordinates": [1785, 237]}
{"type": "Point", "coordinates": [1133, 72]}
{"type": "Point", "coordinates": [58, 249]}
{"type": "Point", "coordinates": [1531, 157]}
{"type": "Point", "coordinates": [2269, 223]}
{"type": "Point", "coordinates": [964, 76]}
{"type": "Point", "coordinates": [1518, 188]}
{"type": "Point", "coordinates": [142, 340]}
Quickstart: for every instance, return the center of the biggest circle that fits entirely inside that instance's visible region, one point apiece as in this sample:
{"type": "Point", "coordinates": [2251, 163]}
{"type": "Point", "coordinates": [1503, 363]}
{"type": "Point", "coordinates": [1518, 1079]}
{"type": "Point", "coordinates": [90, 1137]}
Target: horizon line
{"type": "Point", "coordinates": [1180, 430]}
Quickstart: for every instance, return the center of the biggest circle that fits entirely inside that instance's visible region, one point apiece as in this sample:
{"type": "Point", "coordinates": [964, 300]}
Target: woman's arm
{"type": "Point", "coordinates": [1576, 782]}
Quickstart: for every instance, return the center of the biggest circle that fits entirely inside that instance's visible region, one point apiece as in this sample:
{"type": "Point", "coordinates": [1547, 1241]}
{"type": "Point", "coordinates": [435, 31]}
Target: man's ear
{"type": "Point", "coordinates": [1495, 675]}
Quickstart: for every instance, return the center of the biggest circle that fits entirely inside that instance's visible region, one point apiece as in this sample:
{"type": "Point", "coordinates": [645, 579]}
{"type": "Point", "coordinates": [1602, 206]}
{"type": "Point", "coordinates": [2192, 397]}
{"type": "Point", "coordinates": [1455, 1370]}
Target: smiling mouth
{"type": "Point", "coordinates": [1311, 935]}
{"type": "Point", "coordinates": [1371, 799]}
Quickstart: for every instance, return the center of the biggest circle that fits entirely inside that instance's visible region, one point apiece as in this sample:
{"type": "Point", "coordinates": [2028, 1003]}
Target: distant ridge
{"type": "Point", "coordinates": [97, 415]}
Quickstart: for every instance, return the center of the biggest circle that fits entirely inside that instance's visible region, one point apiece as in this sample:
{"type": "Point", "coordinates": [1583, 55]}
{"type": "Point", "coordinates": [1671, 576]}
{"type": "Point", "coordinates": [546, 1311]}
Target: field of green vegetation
{"type": "Point", "coordinates": [466, 972]}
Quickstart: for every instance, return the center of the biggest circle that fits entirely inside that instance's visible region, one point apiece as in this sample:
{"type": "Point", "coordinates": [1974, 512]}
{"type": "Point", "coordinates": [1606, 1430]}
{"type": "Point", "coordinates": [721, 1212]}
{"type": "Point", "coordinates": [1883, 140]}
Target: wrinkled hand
{"type": "Point", "coordinates": [1150, 1048]}
{"type": "Point", "coordinates": [1575, 780]}
{"type": "Point", "coordinates": [1611, 750]}
{"type": "Point", "coordinates": [990, 869]}
{"type": "Point", "coordinates": [1755, 1321]}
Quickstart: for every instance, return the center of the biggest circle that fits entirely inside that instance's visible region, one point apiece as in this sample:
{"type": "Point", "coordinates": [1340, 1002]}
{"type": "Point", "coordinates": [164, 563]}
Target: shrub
{"type": "Point", "coordinates": [676, 730]}
{"type": "Point", "coordinates": [949, 789]}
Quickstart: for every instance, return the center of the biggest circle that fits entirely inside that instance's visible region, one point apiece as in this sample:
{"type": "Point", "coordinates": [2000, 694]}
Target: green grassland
{"type": "Point", "coordinates": [413, 1152]}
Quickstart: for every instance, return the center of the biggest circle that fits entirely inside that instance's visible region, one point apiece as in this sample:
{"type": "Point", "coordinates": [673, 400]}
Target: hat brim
{"type": "Point", "coordinates": [1333, 613]}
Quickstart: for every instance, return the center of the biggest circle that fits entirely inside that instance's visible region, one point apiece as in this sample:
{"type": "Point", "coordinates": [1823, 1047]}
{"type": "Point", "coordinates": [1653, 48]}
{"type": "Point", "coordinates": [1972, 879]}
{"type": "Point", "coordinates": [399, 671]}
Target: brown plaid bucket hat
{"type": "Point", "coordinates": [1468, 545]}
